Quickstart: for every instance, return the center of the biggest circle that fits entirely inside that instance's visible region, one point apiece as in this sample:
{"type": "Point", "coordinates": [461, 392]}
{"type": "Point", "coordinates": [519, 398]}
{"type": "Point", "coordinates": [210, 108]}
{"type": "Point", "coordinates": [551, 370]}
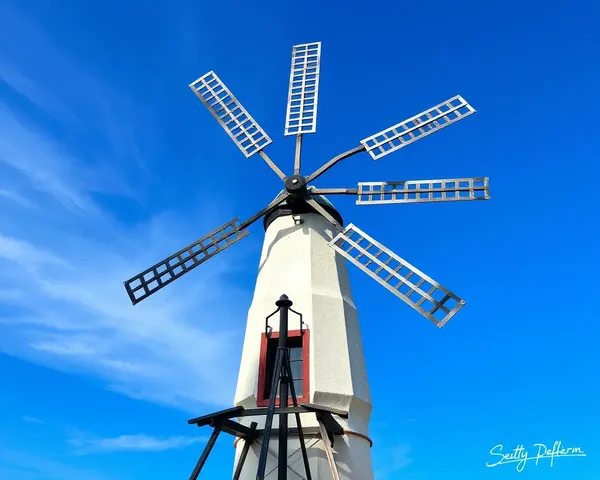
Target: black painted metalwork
{"type": "Point", "coordinates": [297, 206]}
{"type": "Point", "coordinates": [221, 421]}
{"type": "Point", "coordinates": [206, 452]}
{"type": "Point", "coordinates": [244, 454]}
{"type": "Point", "coordinates": [285, 378]}
{"type": "Point", "coordinates": [282, 377]}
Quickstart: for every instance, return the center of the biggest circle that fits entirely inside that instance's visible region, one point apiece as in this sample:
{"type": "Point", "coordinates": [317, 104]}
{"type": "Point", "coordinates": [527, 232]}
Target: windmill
{"type": "Point", "coordinates": [303, 254]}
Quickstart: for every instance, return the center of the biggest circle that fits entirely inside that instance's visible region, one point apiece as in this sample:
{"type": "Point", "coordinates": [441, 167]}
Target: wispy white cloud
{"type": "Point", "coordinates": [35, 158]}
{"type": "Point", "coordinates": [132, 443]}
{"type": "Point", "coordinates": [80, 319]}
{"type": "Point", "coordinates": [62, 266]}
{"type": "Point", "coordinates": [26, 255]}
{"type": "Point", "coordinates": [9, 295]}
{"type": "Point", "coordinates": [66, 275]}
{"type": "Point", "coordinates": [30, 419]}
{"type": "Point", "coordinates": [50, 168]}
{"type": "Point", "coordinates": [78, 104]}
{"type": "Point", "coordinates": [16, 198]}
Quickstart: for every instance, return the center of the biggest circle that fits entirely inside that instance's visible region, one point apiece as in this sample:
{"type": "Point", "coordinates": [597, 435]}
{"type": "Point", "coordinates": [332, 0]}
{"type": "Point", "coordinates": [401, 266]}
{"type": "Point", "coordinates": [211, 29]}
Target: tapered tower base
{"type": "Point", "coordinates": [297, 260]}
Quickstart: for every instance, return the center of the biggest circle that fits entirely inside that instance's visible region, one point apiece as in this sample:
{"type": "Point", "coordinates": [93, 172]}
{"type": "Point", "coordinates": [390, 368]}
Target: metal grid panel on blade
{"type": "Point", "coordinates": [233, 117]}
{"type": "Point", "coordinates": [397, 275]}
{"type": "Point", "coordinates": [417, 127]}
{"type": "Point", "coordinates": [173, 267]}
{"type": "Point", "coordinates": [301, 116]}
{"type": "Point", "coordinates": [418, 191]}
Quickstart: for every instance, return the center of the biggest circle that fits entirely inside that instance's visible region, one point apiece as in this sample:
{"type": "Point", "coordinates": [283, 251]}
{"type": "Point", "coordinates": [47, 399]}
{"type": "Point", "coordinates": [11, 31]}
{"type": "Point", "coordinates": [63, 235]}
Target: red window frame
{"type": "Point", "coordinates": [261, 401]}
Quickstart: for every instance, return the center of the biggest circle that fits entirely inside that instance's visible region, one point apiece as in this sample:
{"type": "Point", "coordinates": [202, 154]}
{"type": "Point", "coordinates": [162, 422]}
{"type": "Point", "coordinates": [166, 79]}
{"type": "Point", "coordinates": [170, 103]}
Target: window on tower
{"type": "Point", "coordinates": [298, 344]}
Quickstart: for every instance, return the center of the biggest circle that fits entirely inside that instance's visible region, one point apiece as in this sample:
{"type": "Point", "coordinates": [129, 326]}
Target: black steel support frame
{"type": "Point", "coordinates": [282, 379]}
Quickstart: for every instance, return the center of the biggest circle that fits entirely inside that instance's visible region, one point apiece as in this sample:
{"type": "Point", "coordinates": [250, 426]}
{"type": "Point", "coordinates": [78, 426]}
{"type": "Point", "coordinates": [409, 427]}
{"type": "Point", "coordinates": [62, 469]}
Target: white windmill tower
{"type": "Point", "coordinates": [302, 256]}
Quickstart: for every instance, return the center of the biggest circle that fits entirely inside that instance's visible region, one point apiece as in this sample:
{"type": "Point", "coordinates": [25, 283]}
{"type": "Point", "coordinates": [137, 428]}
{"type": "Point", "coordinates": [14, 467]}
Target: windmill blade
{"type": "Point", "coordinates": [151, 280]}
{"type": "Point", "coordinates": [423, 191]}
{"type": "Point", "coordinates": [246, 133]}
{"type": "Point", "coordinates": [417, 127]}
{"type": "Point", "coordinates": [160, 275]}
{"type": "Point", "coordinates": [229, 112]}
{"type": "Point", "coordinates": [408, 283]}
{"type": "Point", "coordinates": [303, 94]}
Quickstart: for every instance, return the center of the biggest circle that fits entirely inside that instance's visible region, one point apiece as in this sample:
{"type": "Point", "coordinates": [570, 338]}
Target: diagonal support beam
{"type": "Point", "coordinates": [247, 444]}
{"type": "Point", "coordinates": [313, 203]}
{"type": "Point", "coordinates": [206, 452]}
{"type": "Point", "coordinates": [328, 451]}
{"type": "Point", "coordinates": [271, 164]}
{"type": "Point", "coordinates": [342, 156]}
{"type": "Point", "coordinates": [313, 442]}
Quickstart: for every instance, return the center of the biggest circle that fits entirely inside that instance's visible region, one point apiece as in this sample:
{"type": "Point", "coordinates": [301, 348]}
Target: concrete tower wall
{"type": "Point", "coordinates": [296, 260]}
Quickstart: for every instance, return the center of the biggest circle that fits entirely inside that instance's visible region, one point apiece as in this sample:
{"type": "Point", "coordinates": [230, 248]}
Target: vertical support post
{"type": "Point", "coordinates": [282, 378]}
{"type": "Point", "coordinates": [284, 303]}
{"type": "Point", "coordinates": [297, 155]}
{"type": "Point", "coordinates": [279, 380]}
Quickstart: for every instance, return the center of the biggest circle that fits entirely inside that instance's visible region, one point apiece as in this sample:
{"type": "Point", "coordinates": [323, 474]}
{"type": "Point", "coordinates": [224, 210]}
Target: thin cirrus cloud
{"type": "Point", "coordinates": [62, 266]}
{"type": "Point", "coordinates": [27, 255]}
{"type": "Point", "coordinates": [70, 92]}
{"type": "Point", "coordinates": [132, 443]}
{"type": "Point", "coordinates": [16, 198]}
{"type": "Point", "coordinates": [75, 315]}
{"type": "Point", "coordinates": [30, 419]}
{"type": "Point", "coordinates": [48, 168]}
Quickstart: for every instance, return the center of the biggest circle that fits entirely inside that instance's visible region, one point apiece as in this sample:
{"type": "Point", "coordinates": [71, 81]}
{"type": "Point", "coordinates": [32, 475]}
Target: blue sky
{"type": "Point", "coordinates": [109, 163]}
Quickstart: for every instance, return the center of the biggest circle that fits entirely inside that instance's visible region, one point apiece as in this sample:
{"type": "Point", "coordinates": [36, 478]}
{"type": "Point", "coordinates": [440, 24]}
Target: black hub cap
{"type": "Point", "coordinates": [295, 184]}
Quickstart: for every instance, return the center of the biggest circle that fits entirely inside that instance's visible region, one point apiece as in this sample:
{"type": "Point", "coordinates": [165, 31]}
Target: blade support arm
{"type": "Point", "coordinates": [297, 154]}
{"type": "Point", "coordinates": [342, 156]}
{"type": "Point", "coordinates": [335, 191]}
{"type": "Point", "coordinates": [272, 164]}
{"type": "Point", "coordinates": [280, 198]}
{"type": "Point", "coordinates": [313, 203]}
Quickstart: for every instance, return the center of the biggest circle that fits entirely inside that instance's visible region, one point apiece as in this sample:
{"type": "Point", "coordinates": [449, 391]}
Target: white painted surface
{"type": "Point", "coordinates": [296, 260]}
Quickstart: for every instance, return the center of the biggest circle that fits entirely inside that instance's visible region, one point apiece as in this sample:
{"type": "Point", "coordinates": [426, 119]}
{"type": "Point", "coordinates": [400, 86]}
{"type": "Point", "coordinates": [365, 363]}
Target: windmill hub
{"type": "Point", "coordinates": [296, 184]}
